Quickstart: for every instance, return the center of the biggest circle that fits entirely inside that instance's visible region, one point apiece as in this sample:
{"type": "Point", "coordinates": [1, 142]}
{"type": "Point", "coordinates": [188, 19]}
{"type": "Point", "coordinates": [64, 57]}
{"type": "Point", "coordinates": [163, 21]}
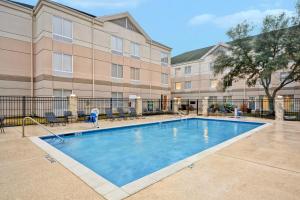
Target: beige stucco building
{"type": "Point", "coordinates": [192, 77]}
{"type": "Point", "coordinates": [53, 50]}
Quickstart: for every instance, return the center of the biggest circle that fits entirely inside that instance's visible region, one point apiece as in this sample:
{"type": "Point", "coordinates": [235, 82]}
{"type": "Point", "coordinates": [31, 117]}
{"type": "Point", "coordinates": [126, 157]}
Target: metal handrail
{"type": "Point", "coordinates": [45, 128]}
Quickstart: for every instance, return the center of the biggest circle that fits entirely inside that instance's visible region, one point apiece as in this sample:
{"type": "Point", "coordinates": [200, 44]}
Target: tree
{"type": "Point", "coordinates": [256, 58]}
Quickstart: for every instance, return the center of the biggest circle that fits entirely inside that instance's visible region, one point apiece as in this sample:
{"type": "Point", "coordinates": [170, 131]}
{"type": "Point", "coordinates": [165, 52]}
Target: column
{"type": "Point", "coordinates": [139, 106]}
{"type": "Point", "coordinates": [175, 105]}
{"type": "Point", "coordinates": [279, 108]}
{"type": "Point", "coordinates": [73, 105]}
{"type": "Point", "coordinates": [205, 106]}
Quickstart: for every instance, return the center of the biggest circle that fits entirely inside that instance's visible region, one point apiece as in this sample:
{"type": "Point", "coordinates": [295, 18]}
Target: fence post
{"type": "Point", "coordinates": [279, 108]}
{"type": "Point", "coordinates": [110, 104]}
{"type": "Point", "coordinates": [73, 102]}
{"type": "Point", "coordinates": [139, 106]}
{"type": "Point", "coordinates": [188, 107]}
{"type": "Point", "coordinates": [197, 106]}
{"type": "Point", "coordinates": [23, 106]}
{"type": "Point", "coordinates": [205, 106]}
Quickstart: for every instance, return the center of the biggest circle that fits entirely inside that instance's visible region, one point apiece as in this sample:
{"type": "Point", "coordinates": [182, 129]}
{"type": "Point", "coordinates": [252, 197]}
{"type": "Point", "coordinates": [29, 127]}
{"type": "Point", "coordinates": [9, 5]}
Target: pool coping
{"type": "Point", "coordinates": [112, 192]}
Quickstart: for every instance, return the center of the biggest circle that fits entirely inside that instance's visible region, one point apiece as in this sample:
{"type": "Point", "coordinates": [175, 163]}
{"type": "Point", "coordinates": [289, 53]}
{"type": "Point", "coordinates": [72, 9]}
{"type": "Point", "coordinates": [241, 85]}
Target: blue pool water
{"type": "Point", "coordinates": [122, 155]}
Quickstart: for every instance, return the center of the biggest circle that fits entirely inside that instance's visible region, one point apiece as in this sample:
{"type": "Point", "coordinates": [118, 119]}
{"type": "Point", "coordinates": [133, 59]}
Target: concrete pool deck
{"type": "Point", "coordinates": [264, 165]}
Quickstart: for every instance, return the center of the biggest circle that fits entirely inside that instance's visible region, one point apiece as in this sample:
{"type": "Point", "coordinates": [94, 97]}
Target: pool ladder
{"type": "Point", "coordinates": [40, 125]}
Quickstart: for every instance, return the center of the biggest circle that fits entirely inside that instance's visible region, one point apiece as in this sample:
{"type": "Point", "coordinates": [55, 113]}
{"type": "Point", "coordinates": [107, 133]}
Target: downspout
{"type": "Point", "coordinates": [93, 59]}
{"type": "Point", "coordinates": [31, 58]}
{"type": "Point", "coordinates": [151, 71]}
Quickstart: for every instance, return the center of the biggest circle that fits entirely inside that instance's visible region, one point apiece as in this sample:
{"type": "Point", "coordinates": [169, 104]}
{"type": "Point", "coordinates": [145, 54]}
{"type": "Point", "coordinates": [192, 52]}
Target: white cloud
{"type": "Point", "coordinates": [101, 3]}
{"type": "Point", "coordinates": [254, 16]}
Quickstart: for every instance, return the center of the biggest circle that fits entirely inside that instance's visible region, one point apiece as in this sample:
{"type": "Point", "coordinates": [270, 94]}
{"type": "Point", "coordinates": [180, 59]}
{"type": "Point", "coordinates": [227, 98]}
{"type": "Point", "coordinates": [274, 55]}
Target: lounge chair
{"type": "Point", "coordinates": [121, 113]}
{"type": "Point", "coordinates": [132, 113]}
{"type": "Point", "coordinates": [52, 119]}
{"type": "Point", "coordinates": [81, 114]}
{"type": "Point", "coordinates": [109, 114]}
{"type": "Point", "coordinates": [2, 118]}
{"type": "Point", "coordinates": [67, 115]}
{"type": "Point", "coordinates": [223, 110]}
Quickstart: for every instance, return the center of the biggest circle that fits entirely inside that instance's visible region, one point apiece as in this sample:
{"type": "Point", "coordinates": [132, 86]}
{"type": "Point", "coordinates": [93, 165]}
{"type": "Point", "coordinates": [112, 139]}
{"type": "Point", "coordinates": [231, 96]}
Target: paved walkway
{"type": "Point", "coordinates": [265, 165]}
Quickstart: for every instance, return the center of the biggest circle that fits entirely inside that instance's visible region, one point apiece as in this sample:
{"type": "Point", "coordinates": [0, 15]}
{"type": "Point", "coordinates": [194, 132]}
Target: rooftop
{"type": "Point", "coordinates": [190, 55]}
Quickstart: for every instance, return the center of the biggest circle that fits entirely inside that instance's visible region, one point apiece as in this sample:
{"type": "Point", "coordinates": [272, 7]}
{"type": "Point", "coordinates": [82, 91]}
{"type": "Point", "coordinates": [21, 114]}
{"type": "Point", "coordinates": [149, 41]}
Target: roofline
{"type": "Point", "coordinates": [202, 57]}
{"type": "Point", "coordinates": [19, 6]}
{"type": "Point", "coordinates": [127, 14]}
{"type": "Point", "coordinates": [72, 11]}
{"type": "Point", "coordinates": [124, 14]}
{"type": "Point", "coordinates": [98, 20]}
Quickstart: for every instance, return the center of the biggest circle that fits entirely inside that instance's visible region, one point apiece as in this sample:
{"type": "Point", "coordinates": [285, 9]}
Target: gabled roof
{"type": "Point", "coordinates": [191, 55]}
{"type": "Point", "coordinates": [124, 15]}
{"type": "Point", "coordinates": [127, 15]}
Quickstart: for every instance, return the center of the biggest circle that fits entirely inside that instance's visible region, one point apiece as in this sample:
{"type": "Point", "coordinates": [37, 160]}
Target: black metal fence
{"type": "Point", "coordinates": [85, 105]}
{"type": "Point", "coordinates": [292, 109]}
{"type": "Point", "coordinates": [157, 106]}
{"type": "Point", "coordinates": [15, 108]}
{"type": "Point", "coordinates": [263, 108]}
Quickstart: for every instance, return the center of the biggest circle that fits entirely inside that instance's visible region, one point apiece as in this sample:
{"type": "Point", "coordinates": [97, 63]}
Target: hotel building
{"type": "Point", "coordinates": [53, 50]}
{"type": "Point", "coordinates": [192, 78]}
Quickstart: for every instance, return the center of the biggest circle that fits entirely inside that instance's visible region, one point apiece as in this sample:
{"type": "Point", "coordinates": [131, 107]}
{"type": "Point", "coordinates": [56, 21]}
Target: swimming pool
{"type": "Point", "coordinates": [125, 154]}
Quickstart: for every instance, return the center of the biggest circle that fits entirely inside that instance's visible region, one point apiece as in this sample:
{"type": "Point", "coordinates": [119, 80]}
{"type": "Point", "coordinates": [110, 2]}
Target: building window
{"type": "Point", "coordinates": [178, 86]}
{"type": "Point", "coordinates": [117, 71]}
{"type": "Point", "coordinates": [116, 45]}
{"type": "Point", "coordinates": [288, 103]}
{"type": "Point", "coordinates": [214, 83]}
{"type": "Point", "coordinates": [62, 64]}
{"type": "Point", "coordinates": [212, 100]}
{"type": "Point", "coordinates": [117, 99]}
{"type": "Point", "coordinates": [135, 50]}
{"type": "Point", "coordinates": [134, 73]}
{"type": "Point", "coordinates": [164, 58]}
{"type": "Point", "coordinates": [251, 103]}
{"type": "Point", "coordinates": [283, 75]}
{"type": "Point", "coordinates": [62, 29]}
{"type": "Point", "coordinates": [187, 85]}
{"type": "Point", "coordinates": [188, 70]}
{"type": "Point", "coordinates": [164, 78]}
{"type": "Point", "coordinates": [177, 71]}
{"type": "Point", "coordinates": [227, 99]}
{"type": "Point", "coordinates": [60, 106]}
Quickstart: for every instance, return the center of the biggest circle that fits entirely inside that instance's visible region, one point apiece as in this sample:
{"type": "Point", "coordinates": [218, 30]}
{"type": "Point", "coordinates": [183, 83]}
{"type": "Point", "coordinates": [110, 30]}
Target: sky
{"type": "Point", "coordinates": [186, 25]}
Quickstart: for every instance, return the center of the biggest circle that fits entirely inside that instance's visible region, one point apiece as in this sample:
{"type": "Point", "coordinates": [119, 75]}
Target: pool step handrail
{"type": "Point", "coordinates": [42, 126]}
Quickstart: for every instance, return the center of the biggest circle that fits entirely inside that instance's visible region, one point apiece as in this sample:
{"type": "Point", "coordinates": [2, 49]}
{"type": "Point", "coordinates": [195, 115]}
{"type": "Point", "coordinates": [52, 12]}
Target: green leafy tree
{"type": "Point", "coordinates": [256, 58]}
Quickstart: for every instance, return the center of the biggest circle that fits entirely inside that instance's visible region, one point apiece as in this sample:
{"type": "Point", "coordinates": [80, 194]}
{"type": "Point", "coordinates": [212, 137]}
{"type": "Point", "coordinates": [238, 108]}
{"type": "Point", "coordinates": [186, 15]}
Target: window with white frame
{"type": "Point", "coordinates": [62, 64]}
{"type": "Point", "coordinates": [164, 78]}
{"type": "Point", "coordinates": [117, 101]}
{"type": "Point", "coordinates": [116, 45]}
{"type": "Point", "coordinates": [134, 73]}
{"type": "Point", "coordinates": [283, 75]}
{"type": "Point", "coordinates": [117, 71]}
{"type": "Point", "coordinates": [177, 86]}
{"type": "Point", "coordinates": [187, 70]}
{"type": "Point", "coordinates": [187, 85]}
{"type": "Point", "coordinates": [62, 29]}
{"type": "Point", "coordinates": [164, 58]}
{"type": "Point", "coordinates": [135, 49]}
{"type": "Point", "coordinates": [177, 71]}
{"type": "Point", "coordinates": [214, 83]}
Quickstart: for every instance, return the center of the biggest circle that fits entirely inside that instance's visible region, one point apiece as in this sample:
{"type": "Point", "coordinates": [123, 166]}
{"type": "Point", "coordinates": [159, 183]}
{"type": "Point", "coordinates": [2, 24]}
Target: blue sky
{"type": "Point", "coordinates": [189, 24]}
